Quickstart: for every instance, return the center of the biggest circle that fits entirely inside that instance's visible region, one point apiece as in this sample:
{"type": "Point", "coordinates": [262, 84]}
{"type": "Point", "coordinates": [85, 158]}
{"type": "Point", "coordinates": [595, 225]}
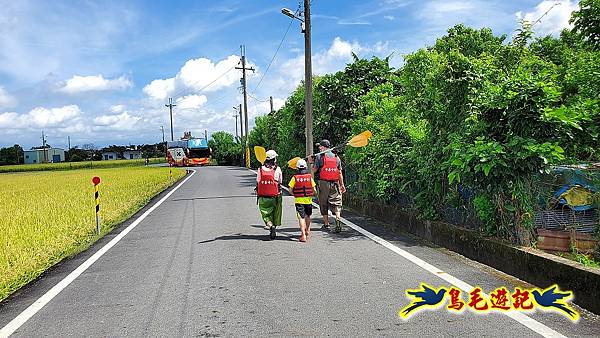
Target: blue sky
{"type": "Point", "coordinates": [101, 71]}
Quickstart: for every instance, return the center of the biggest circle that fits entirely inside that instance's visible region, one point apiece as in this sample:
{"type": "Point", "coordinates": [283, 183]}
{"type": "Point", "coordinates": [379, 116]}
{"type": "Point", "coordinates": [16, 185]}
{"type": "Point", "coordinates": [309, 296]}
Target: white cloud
{"type": "Point", "coordinates": [43, 117]}
{"type": "Point", "coordinates": [160, 89]}
{"type": "Point", "coordinates": [556, 19]}
{"type": "Point", "coordinates": [353, 22]}
{"type": "Point", "coordinates": [262, 108]}
{"type": "Point", "coordinates": [123, 121]}
{"type": "Point", "coordinates": [79, 84]}
{"type": "Point", "coordinates": [389, 17]}
{"type": "Point", "coordinates": [196, 75]}
{"type": "Point", "coordinates": [40, 117]}
{"type": "Point", "coordinates": [191, 102]}
{"type": "Point", "coordinates": [326, 61]}
{"type": "Point", "coordinates": [6, 100]}
{"type": "Point", "coordinates": [119, 108]}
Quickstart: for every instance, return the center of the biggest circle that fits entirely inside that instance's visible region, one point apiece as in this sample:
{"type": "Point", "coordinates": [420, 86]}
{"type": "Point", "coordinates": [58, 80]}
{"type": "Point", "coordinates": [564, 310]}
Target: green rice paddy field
{"type": "Point", "coordinates": [46, 216]}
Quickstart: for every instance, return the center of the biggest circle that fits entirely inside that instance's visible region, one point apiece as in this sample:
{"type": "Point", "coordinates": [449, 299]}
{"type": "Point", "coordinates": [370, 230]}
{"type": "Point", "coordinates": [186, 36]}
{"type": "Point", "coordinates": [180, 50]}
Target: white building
{"type": "Point", "coordinates": [109, 155]}
{"type": "Point", "coordinates": [47, 155]}
{"type": "Point", "coordinates": [132, 154]}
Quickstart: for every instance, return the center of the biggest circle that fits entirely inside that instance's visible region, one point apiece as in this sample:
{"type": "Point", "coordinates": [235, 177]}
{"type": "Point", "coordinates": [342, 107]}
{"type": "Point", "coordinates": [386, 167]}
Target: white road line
{"type": "Point", "coordinates": [29, 312]}
{"type": "Point", "coordinates": [523, 319]}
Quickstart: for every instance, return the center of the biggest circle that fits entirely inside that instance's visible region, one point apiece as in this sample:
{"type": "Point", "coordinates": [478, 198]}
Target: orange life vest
{"type": "Point", "coordinates": [303, 185]}
{"type": "Point", "coordinates": [267, 186]}
{"type": "Point", "coordinates": [329, 171]}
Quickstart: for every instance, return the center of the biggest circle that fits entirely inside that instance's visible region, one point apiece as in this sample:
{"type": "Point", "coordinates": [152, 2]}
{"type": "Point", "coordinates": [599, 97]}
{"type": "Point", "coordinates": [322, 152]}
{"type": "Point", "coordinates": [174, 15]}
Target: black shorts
{"type": "Point", "coordinates": [303, 210]}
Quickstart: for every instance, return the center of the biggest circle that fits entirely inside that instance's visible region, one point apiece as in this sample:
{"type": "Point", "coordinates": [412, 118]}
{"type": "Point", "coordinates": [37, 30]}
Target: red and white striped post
{"type": "Point", "coordinates": [96, 181]}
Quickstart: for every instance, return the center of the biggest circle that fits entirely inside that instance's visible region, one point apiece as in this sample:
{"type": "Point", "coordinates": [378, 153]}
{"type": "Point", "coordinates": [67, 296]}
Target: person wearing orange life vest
{"type": "Point", "coordinates": [268, 188]}
{"type": "Point", "coordinates": [328, 170]}
{"type": "Point", "coordinates": [303, 186]}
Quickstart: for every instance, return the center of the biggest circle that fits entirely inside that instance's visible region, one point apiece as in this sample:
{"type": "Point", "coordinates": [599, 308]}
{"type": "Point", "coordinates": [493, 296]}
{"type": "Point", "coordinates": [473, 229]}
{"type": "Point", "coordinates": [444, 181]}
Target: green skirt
{"type": "Point", "coordinates": [270, 209]}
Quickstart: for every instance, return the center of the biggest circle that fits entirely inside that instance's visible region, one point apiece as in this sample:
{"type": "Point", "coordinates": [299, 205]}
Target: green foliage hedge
{"type": "Point", "coordinates": [468, 122]}
{"type": "Point", "coordinates": [226, 150]}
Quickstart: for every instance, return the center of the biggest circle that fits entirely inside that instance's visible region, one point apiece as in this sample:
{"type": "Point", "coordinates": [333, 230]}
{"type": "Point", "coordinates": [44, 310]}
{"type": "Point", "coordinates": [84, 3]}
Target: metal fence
{"type": "Point", "coordinates": [547, 214]}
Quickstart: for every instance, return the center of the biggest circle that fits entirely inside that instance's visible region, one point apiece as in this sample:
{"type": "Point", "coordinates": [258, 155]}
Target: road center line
{"type": "Point", "coordinates": [29, 312]}
{"type": "Point", "coordinates": [521, 318]}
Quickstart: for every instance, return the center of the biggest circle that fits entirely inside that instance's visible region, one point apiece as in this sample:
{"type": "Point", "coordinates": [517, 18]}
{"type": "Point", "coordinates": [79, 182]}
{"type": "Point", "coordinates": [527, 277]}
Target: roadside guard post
{"type": "Point", "coordinates": [247, 157]}
{"type": "Point", "coordinates": [96, 181]}
{"type": "Point", "coordinates": [170, 174]}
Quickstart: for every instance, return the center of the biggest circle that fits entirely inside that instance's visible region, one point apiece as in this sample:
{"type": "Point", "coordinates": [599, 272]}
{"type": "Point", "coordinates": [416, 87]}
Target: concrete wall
{"type": "Point", "coordinates": [109, 156]}
{"type": "Point", "coordinates": [56, 152]}
{"type": "Point", "coordinates": [41, 156]}
{"type": "Point", "coordinates": [129, 155]}
{"type": "Point", "coordinates": [534, 266]}
{"type": "Point", "coordinates": [32, 157]}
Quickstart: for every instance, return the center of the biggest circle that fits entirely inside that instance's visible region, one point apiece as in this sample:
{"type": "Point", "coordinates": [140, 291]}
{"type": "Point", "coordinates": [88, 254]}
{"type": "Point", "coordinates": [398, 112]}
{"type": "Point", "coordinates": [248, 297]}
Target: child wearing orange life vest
{"type": "Point", "coordinates": [268, 182]}
{"type": "Point", "coordinates": [303, 186]}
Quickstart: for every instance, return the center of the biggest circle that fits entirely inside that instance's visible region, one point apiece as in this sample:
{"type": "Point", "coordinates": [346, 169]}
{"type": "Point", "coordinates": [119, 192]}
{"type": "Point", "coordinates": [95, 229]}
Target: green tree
{"type": "Point", "coordinates": [337, 96]}
{"type": "Point", "coordinates": [11, 155]}
{"type": "Point", "coordinates": [77, 155]}
{"type": "Point", "coordinates": [226, 151]}
{"type": "Point", "coordinates": [586, 21]}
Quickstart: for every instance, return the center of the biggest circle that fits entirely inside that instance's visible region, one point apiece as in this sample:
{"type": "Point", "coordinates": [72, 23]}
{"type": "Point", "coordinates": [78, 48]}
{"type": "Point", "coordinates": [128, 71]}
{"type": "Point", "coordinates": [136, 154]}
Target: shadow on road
{"type": "Point", "coordinates": [235, 237]}
{"type": "Point", "coordinates": [246, 181]}
{"type": "Point", "coordinates": [292, 229]}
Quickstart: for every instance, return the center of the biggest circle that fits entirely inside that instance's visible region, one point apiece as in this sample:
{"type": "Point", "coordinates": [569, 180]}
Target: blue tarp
{"type": "Point", "coordinates": [574, 178]}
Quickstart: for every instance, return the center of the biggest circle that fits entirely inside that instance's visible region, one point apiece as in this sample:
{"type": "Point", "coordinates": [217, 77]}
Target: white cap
{"type": "Point", "coordinates": [301, 164]}
{"type": "Point", "coordinates": [271, 154]}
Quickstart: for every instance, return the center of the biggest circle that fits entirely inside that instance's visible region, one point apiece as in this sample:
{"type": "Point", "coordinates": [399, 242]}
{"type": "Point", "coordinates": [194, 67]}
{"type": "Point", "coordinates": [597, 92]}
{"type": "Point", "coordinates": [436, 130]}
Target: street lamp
{"type": "Point", "coordinates": [241, 131]}
{"type": "Point", "coordinates": [305, 26]}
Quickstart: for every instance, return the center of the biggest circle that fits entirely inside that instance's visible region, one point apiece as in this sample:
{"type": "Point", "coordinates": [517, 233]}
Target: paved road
{"type": "Point", "coordinates": [199, 265]}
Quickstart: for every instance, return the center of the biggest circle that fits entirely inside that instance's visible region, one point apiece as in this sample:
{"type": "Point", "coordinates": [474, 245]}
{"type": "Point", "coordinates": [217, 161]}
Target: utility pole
{"type": "Point", "coordinates": [308, 80]}
{"type": "Point", "coordinates": [243, 68]}
{"type": "Point", "coordinates": [171, 105]}
{"type": "Point", "coordinates": [242, 135]}
{"type": "Point", "coordinates": [206, 135]}
{"type": "Point", "coordinates": [44, 147]}
{"type": "Point", "coordinates": [271, 101]}
{"type": "Point", "coordinates": [69, 144]}
{"type": "Point", "coordinates": [164, 144]}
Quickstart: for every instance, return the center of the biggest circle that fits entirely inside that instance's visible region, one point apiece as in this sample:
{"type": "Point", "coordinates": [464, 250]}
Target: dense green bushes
{"type": "Point", "coordinates": [225, 149]}
{"type": "Point", "coordinates": [468, 122]}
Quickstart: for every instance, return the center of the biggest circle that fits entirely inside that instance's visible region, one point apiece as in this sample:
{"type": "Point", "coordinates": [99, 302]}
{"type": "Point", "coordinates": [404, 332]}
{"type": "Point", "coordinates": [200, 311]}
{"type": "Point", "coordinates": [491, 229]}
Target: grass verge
{"type": "Point", "coordinates": [48, 216]}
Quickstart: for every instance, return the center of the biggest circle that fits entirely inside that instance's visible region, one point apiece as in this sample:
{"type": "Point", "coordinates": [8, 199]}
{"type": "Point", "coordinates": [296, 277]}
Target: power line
{"type": "Point", "coordinates": [274, 55]}
{"type": "Point", "coordinates": [206, 86]}
{"type": "Point", "coordinates": [257, 99]}
{"type": "Point", "coordinates": [543, 15]}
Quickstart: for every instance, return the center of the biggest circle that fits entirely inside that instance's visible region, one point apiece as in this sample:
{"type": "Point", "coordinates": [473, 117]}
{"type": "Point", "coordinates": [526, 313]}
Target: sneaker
{"type": "Point", "coordinates": [272, 233]}
{"type": "Point", "coordinates": [338, 226]}
{"type": "Point", "coordinates": [325, 227]}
